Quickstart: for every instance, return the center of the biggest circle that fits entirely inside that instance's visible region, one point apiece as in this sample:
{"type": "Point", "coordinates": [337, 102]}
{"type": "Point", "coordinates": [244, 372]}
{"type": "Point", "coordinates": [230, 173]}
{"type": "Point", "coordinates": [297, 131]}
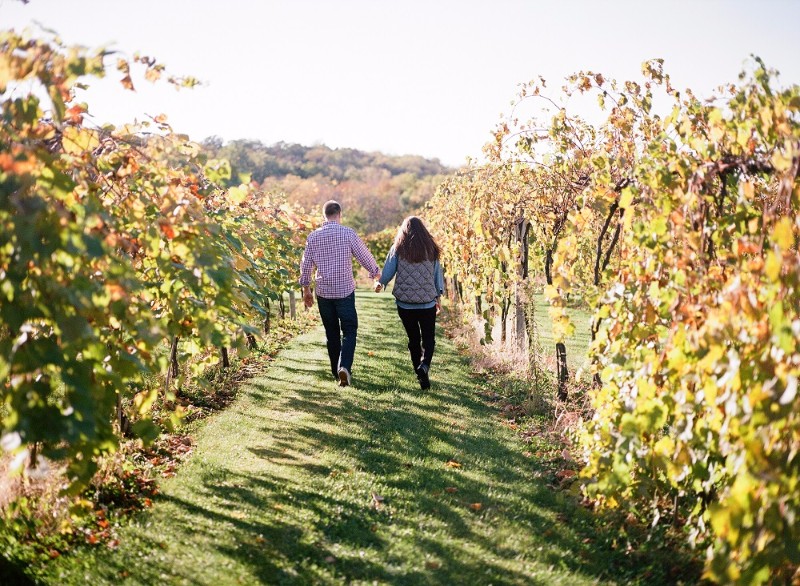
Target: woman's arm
{"type": "Point", "coordinates": [438, 278]}
{"type": "Point", "coordinates": [389, 268]}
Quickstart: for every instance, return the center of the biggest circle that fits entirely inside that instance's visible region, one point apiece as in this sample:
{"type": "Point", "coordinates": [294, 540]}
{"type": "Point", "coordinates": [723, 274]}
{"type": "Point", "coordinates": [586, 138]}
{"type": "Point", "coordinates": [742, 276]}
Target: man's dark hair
{"type": "Point", "coordinates": [331, 208]}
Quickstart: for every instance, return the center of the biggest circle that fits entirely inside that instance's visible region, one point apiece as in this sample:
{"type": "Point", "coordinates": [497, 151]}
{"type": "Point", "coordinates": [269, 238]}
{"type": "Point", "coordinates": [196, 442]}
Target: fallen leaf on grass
{"type": "Point", "coordinates": [433, 565]}
{"type": "Point", "coordinates": [377, 500]}
{"type": "Point", "coordinates": [476, 506]}
{"type": "Point", "coordinates": [330, 559]}
{"type": "Point", "coordinates": [567, 473]}
{"type": "Point", "coordinates": [452, 464]}
{"type": "Point", "coordinates": [451, 489]}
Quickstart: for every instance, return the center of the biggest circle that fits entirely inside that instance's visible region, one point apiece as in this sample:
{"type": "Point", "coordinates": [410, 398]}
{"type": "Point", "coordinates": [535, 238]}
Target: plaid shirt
{"type": "Point", "coordinates": [331, 248]}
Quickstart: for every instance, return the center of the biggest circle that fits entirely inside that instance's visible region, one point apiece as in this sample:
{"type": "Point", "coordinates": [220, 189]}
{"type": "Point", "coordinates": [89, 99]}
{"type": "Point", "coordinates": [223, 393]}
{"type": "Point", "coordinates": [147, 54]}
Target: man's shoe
{"type": "Point", "coordinates": [422, 376]}
{"type": "Point", "coordinates": [344, 377]}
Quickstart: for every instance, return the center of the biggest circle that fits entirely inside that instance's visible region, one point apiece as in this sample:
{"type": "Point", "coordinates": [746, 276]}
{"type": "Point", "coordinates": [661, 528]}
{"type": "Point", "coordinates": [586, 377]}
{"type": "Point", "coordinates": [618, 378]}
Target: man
{"type": "Point", "coordinates": [331, 248]}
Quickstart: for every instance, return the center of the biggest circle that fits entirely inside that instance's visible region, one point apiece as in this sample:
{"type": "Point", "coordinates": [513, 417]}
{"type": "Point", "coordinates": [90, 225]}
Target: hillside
{"type": "Point", "coordinates": [382, 188]}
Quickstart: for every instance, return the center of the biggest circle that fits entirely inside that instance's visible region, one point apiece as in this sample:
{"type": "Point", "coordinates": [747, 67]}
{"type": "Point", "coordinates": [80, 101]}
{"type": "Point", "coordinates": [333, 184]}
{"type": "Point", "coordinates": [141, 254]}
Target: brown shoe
{"type": "Point", "coordinates": [344, 377]}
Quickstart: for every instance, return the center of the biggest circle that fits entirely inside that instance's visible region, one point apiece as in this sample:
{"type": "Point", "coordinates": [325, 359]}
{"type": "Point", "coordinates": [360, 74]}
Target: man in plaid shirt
{"type": "Point", "coordinates": [331, 248]}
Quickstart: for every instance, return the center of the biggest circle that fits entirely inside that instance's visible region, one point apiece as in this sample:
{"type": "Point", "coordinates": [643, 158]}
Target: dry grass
{"type": "Point", "coordinates": [531, 389]}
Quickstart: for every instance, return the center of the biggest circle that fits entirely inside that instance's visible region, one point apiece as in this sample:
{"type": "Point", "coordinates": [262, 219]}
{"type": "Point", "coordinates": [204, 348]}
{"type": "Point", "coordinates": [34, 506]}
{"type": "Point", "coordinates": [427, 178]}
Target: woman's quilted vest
{"type": "Point", "coordinates": [414, 282]}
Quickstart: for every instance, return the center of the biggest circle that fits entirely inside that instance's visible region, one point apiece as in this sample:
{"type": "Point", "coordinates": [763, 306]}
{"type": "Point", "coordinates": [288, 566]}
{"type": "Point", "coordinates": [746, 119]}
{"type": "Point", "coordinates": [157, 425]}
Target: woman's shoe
{"type": "Point", "coordinates": [422, 376]}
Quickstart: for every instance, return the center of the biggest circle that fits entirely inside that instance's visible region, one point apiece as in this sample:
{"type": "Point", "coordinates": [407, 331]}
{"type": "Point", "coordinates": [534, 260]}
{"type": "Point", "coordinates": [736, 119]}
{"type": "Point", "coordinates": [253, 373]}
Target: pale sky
{"type": "Point", "coordinates": [424, 77]}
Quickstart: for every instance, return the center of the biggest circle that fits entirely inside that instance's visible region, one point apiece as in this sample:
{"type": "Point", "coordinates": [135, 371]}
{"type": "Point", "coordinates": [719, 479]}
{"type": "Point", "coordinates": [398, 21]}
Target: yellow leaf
{"type": "Point", "coordinates": [772, 267]}
{"type": "Point", "coordinates": [144, 400]}
{"type": "Point", "coordinates": [781, 161]}
{"type": "Point", "coordinates": [78, 140]}
{"type": "Point", "coordinates": [626, 198]}
{"type": "Point", "coordinates": [452, 464]}
{"type": "Point", "coordinates": [240, 263]}
{"type": "Point", "coordinates": [236, 195]}
{"type": "Point", "coordinates": [782, 234]}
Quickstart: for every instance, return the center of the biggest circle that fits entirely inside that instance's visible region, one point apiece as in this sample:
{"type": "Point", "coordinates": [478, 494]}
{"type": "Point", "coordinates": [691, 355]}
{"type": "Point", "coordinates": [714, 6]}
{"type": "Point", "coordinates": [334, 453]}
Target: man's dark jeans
{"type": "Point", "coordinates": [341, 325]}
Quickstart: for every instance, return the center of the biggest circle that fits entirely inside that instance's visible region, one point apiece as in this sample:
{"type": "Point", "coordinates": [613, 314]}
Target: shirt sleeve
{"type": "Point", "coordinates": [306, 266]}
{"type": "Point", "coordinates": [364, 256]}
{"type": "Point", "coordinates": [438, 278]}
{"type": "Point", "coordinates": [389, 267]}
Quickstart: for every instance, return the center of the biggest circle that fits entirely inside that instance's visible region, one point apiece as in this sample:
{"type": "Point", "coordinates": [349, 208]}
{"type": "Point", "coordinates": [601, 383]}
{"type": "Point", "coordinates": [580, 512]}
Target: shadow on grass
{"type": "Point", "coordinates": [384, 482]}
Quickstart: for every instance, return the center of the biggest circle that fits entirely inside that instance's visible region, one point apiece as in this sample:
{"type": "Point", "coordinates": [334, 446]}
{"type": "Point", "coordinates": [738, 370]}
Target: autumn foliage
{"type": "Point", "coordinates": [677, 220]}
{"type": "Point", "coordinates": [115, 244]}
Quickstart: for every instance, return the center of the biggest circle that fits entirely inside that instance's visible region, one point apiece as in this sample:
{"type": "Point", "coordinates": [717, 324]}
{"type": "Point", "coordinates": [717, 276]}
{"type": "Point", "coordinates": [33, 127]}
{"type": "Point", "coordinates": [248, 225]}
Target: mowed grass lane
{"type": "Point", "coordinates": [302, 482]}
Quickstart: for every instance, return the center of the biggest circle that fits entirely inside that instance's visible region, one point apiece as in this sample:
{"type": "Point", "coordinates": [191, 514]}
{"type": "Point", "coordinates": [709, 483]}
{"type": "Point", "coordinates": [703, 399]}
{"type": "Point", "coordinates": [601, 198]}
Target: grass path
{"type": "Point", "coordinates": [301, 482]}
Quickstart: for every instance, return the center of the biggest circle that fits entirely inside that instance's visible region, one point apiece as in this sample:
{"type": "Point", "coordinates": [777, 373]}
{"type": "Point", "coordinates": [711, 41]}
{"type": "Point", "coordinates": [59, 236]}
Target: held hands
{"type": "Point", "coordinates": [377, 287]}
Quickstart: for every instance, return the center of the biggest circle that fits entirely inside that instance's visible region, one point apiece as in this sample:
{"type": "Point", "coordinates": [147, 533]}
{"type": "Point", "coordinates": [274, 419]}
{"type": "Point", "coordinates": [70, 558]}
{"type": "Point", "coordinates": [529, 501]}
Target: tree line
{"type": "Point", "coordinates": [376, 190]}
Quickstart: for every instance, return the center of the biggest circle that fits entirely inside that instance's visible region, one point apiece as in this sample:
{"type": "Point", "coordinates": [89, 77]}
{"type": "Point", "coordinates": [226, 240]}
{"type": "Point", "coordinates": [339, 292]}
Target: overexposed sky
{"type": "Point", "coordinates": [425, 77]}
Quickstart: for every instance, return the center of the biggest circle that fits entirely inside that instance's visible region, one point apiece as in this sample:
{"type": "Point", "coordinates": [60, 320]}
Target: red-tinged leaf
{"type": "Point", "coordinates": [102, 523]}
{"type": "Point", "coordinates": [451, 489]}
{"type": "Point", "coordinates": [91, 539]}
{"type": "Point", "coordinates": [167, 230]}
{"type": "Point", "coordinates": [476, 506]}
{"type": "Point", "coordinates": [75, 114]}
{"type": "Point", "coordinates": [54, 553]}
{"type": "Point", "coordinates": [127, 83]}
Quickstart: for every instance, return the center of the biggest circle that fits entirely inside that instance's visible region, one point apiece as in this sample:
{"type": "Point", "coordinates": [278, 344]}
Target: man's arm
{"type": "Point", "coordinates": [306, 266]}
{"type": "Point", "coordinates": [364, 256]}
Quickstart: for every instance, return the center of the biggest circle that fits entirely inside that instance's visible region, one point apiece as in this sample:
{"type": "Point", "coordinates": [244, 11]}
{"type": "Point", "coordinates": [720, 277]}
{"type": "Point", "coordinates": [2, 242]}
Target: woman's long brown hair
{"type": "Point", "coordinates": [414, 243]}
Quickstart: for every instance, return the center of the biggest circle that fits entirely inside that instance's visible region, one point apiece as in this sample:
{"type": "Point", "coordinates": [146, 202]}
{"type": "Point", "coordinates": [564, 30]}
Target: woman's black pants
{"type": "Point", "coordinates": [420, 325]}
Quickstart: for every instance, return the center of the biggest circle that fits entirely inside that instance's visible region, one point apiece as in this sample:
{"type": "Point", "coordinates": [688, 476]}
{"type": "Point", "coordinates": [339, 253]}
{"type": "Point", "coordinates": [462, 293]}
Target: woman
{"type": "Point", "coordinates": [414, 258]}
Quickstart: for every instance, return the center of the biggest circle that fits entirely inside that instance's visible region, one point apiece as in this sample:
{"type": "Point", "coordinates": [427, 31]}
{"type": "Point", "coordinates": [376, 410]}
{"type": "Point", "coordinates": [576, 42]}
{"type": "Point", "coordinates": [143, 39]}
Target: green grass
{"type": "Point", "coordinates": [302, 482]}
{"type": "Point", "coordinates": [577, 345]}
